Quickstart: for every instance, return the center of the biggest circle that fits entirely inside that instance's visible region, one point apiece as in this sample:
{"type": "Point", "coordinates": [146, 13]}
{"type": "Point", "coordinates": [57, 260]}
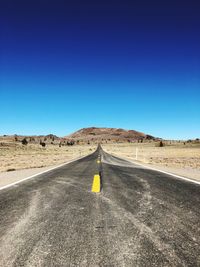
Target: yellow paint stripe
{"type": "Point", "coordinates": [96, 186]}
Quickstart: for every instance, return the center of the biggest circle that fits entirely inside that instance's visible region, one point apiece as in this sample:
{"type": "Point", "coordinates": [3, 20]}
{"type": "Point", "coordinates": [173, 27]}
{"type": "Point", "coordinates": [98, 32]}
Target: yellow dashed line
{"type": "Point", "coordinates": [96, 186]}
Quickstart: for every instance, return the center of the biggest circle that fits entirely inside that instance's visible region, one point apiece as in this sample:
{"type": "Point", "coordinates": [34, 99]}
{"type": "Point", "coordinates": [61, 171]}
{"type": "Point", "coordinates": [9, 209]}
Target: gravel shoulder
{"type": "Point", "coordinates": [7, 178]}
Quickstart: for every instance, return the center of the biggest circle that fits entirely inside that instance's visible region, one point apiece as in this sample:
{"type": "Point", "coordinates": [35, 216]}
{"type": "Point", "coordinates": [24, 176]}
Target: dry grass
{"type": "Point", "coordinates": [15, 156]}
{"type": "Point", "coordinates": [174, 155]}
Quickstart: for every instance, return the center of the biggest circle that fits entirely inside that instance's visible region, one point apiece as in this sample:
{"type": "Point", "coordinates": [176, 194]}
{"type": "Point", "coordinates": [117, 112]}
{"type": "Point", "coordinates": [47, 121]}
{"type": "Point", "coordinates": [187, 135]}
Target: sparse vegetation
{"type": "Point", "coordinates": [15, 156]}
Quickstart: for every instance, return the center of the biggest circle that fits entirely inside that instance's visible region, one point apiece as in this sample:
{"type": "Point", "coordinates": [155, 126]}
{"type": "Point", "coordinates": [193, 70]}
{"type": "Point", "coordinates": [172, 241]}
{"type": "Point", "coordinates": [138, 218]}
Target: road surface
{"type": "Point", "coordinates": [140, 218]}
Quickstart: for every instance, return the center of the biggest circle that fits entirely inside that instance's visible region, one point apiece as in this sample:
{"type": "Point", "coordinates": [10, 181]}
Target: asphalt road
{"type": "Point", "coordinates": [140, 218]}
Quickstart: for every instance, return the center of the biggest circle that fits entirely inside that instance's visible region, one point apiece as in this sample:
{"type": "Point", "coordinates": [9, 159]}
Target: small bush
{"type": "Point", "coordinates": [24, 142]}
{"type": "Point", "coordinates": [70, 143]}
{"type": "Point", "coordinates": [11, 170]}
{"type": "Point", "coordinates": [161, 144]}
{"type": "Point", "coordinates": [43, 144]}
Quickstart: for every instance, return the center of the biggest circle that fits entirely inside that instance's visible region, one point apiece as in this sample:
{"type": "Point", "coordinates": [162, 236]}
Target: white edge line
{"type": "Point", "coordinates": [37, 174]}
{"type": "Point", "coordinates": [154, 169]}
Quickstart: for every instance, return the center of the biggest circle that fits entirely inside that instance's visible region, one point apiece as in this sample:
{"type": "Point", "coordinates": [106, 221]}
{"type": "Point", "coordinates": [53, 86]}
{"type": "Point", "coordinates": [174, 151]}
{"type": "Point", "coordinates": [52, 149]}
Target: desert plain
{"type": "Point", "coordinates": [18, 161]}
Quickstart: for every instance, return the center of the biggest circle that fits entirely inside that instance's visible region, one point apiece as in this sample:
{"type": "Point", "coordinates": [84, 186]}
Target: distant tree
{"type": "Point", "coordinates": [24, 142]}
{"type": "Point", "coordinates": [70, 143]}
{"type": "Point", "coordinates": [161, 144]}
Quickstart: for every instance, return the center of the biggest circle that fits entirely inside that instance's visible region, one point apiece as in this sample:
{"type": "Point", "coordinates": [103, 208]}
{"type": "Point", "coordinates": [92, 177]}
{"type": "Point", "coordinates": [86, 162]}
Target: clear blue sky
{"type": "Point", "coordinates": [65, 65]}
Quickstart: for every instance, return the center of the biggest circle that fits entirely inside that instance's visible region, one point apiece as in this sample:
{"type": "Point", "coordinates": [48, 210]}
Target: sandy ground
{"type": "Point", "coordinates": [15, 176]}
{"type": "Point", "coordinates": [18, 157]}
{"type": "Point", "coordinates": [176, 158]}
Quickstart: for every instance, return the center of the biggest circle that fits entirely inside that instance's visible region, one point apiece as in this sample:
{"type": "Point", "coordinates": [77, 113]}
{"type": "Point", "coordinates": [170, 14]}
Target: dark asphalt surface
{"type": "Point", "coordinates": [140, 218]}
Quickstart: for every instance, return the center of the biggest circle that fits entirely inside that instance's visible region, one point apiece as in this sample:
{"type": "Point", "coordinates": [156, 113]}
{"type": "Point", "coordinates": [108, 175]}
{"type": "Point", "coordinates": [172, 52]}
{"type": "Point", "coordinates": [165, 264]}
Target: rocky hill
{"type": "Point", "coordinates": [83, 136]}
{"type": "Point", "coordinates": [31, 139]}
{"type": "Point", "coordinates": [94, 134]}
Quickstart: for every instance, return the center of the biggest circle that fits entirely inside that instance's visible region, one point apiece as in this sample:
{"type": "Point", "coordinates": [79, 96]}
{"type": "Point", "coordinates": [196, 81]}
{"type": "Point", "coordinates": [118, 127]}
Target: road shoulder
{"type": "Point", "coordinates": [192, 175]}
{"type": "Point", "coordinates": [13, 177]}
